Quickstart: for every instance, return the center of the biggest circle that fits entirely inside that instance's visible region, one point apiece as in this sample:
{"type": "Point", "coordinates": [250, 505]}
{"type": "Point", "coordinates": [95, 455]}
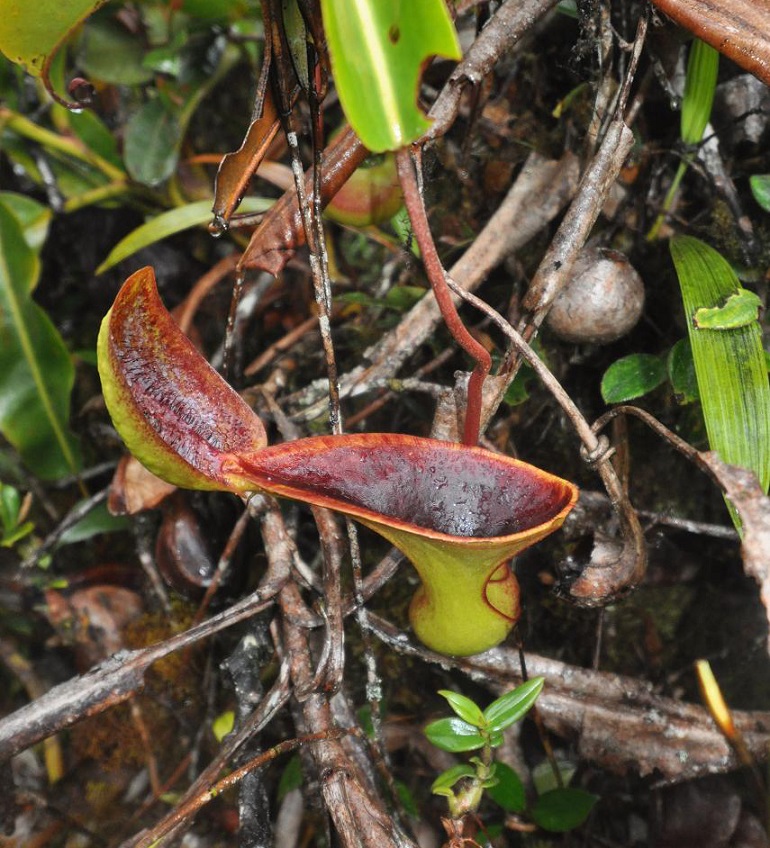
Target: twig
{"type": "Point", "coordinates": [614, 720]}
{"type": "Point", "coordinates": [555, 269]}
{"type": "Point", "coordinates": [537, 196]}
{"type": "Point", "coordinates": [118, 678]}
{"type": "Point", "coordinates": [76, 514]}
{"type": "Point", "coordinates": [267, 709]}
{"type": "Point", "coordinates": [512, 20]}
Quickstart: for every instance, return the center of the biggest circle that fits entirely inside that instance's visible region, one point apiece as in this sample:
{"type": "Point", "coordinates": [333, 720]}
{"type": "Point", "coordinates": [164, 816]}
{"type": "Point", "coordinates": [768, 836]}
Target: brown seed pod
{"type": "Point", "coordinates": [603, 301]}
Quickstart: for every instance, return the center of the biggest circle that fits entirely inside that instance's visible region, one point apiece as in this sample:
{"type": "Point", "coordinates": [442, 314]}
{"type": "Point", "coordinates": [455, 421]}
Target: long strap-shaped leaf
{"type": "Point", "coordinates": [378, 49]}
{"type": "Point", "coordinates": [729, 360]}
{"type": "Point", "coordinates": [36, 372]}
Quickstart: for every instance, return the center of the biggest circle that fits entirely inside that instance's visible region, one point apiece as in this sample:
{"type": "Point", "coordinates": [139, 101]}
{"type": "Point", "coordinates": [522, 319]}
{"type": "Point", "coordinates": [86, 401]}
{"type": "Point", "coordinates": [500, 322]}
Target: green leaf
{"type": "Point", "coordinates": [512, 706]}
{"type": "Point", "coordinates": [378, 49]}
{"type": "Point", "coordinates": [10, 504]}
{"type": "Point", "coordinates": [681, 372]}
{"type": "Point", "coordinates": [407, 799]}
{"type": "Point", "coordinates": [403, 298]}
{"type": "Point", "coordinates": [96, 521]}
{"type": "Point", "coordinates": [169, 223]}
{"type": "Point", "coordinates": [508, 792]}
{"type": "Point", "coordinates": [94, 134]}
{"type": "Point", "coordinates": [563, 809]}
{"type": "Point", "coordinates": [467, 709]}
{"type": "Point", "coordinates": [760, 188]}
{"type": "Point", "coordinates": [699, 87]}
{"type": "Point", "coordinates": [729, 364]}
{"type": "Point", "coordinates": [152, 142]}
{"type": "Point", "coordinates": [443, 784]}
{"type": "Point", "coordinates": [31, 32]}
{"type": "Point", "coordinates": [36, 372]}
{"type": "Point", "coordinates": [455, 735]}
{"type": "Point", "coordinates": [109, 52]}
{"type": "Point", "coordinates": [631, 377]}
{"type": "Point", "coordinates": [291, 777]}
{"type": "Point", "coordinates": [33, 217]}
{"type": "Point", "coordinates": [544, 778]}
{"type": "Point", "coordinates": [223, 724]}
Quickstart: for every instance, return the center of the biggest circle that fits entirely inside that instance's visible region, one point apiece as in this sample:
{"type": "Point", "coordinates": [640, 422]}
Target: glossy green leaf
{"type": "Point", "coordinates": [760, 188]}
{"type": "Point", "coordinates": [563, 809]}
{"type": "Point", "coordinates": [700, 85]}
{"type": "Point", "coordinates": [378, 49]}
{"type": "Point", "coordinates": [514, 705]}
{"type": "Point", "coordinates": [455, 735]}
{"type": "Point", "coordinates": [467, 709]}
{"type": "Point", "coordinates": [443, 784]}
{"type": "Point", "coordinates": [151, 148]}
{"type": "Point", "coordinates": [169, 223]}
{"type": "Point", "coordinates": [681, 372]}
{"type": "Point", "coordinates": [729, 364]}
{"type": "Point", "coordinates": [508, 792]}
{"type": "Point", "coordinates": [36, 372]}
{"type": "Point", "coordinates": [31, 31]}
{"type": "Point", "coordinates": [631, 377]}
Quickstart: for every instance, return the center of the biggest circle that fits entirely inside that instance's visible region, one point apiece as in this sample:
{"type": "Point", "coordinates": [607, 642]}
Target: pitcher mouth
{"type": "Point", "coordinates": [438, 489]}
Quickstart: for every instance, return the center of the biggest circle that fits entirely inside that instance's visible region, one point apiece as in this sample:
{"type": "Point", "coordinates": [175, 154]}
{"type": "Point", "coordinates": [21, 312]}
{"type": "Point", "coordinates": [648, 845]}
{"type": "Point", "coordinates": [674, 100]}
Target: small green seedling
{"type": "Point", "coordinates": [464, 784]}
{"type": "Point", "coordinates": [739, 310]}
{"type": "Point", "coordinates": [13, 511]}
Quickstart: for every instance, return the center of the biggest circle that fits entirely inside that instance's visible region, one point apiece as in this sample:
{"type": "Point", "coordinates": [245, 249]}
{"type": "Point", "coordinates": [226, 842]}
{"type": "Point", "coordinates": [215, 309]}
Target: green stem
{"type": "Point", "coordinates": [669, 201]}
{"type": "Point", "coordinates": [97, 195]}
{"type": "Point", "coordinates": [53, 141]}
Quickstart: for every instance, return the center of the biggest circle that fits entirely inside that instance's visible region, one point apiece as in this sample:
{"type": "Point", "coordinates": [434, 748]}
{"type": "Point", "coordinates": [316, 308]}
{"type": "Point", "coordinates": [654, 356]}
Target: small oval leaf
{"type": "Point", "coordinates": [508, 792]}
{"type": "Point", "coordinates": [152, 142]}
{"type": "Point", "coordinates": [631, 377]}
{"type": "Point", "coordinates": [760, 188]}
{"type": "Point", "coordinates": [467, 709]}
{"type": "Point", "coordinates": [563, 809]}
{"type": "Point", "coordinates": [681, 372]}
{"type": "Point", "coordinates": [512, 706]}
{"type": "Point", "coordinates": [454, 735]}
{"type": "Point", "coordinates": [443, 784]}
